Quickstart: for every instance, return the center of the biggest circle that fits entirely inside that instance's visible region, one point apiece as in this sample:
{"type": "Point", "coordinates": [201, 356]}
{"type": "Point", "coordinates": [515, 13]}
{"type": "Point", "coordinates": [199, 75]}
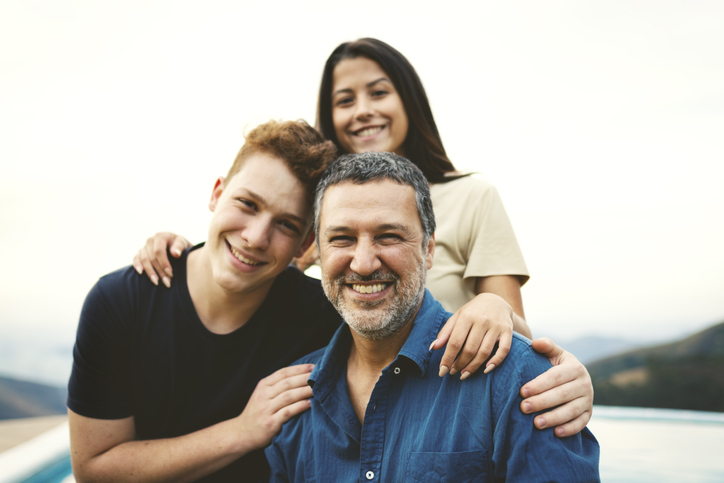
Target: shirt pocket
{"type": "Point", "coordinates": [459, 467]}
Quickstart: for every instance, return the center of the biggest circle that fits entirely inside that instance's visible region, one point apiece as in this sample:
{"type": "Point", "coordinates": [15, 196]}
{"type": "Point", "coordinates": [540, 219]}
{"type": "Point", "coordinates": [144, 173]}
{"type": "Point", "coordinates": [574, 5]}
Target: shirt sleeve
{"type": "Point", "coordinates": [526, 454]}
{"type": "Point", "coordinates": [99, 386]}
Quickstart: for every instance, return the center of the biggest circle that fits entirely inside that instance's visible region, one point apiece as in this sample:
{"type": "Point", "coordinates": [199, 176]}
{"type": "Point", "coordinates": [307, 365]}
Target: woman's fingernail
{"type": "Point", "coordinates": [489, 368]}
{"type": "Point", "coordinates": [167, 282]}
{"type": "Point", "coordinates": [464, 375]}
{"type": "Point", "coordinates": [453, 371]}
{"type": "Point", "coordinates": [443, 370]}
{"type": "Point", "coordinates": [154, 279]}
{"type": "Point", "coordinates": [168, 271]}
{"type": "Point", "coordinates": [433, 343]}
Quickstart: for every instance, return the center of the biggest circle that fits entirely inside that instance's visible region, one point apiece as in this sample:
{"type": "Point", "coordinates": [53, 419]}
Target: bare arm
{"type": "Point", "coordinates": [107, 450]}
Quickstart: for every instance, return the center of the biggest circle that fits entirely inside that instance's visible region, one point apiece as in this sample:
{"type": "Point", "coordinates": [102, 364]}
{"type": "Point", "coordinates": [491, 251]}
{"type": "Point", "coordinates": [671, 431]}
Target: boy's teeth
{"type": "Point", "coordinates": [370, 131]}
{"type": "Point", "coordinates": [243, 258]}
{"type": "Point", "coordinates": [378, 287]}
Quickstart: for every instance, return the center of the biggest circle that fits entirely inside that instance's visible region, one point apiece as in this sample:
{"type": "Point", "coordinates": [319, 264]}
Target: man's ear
{"type": "Point", "coordinates": [430, 251]}
{"type": "Point", "coordinates": [306, 244]}
{"type": "Point", "coordinates": [216, 194]}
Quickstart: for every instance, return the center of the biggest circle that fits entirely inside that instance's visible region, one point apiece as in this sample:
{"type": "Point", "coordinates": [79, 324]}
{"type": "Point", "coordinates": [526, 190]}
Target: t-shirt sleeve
{"type": "Point", "coordinates": [524, 453]}
{"type": "Point", "coordinates": [493, 248]}
{"type": "Point", "coordinates": [99, 386]}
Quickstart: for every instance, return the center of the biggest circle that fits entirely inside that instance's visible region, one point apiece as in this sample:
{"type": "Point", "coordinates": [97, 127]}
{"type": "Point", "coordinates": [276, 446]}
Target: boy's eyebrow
{"type": "Point", "coordinates": [262, 200]}
{"type": "Point", "coordinates": [370, 84]}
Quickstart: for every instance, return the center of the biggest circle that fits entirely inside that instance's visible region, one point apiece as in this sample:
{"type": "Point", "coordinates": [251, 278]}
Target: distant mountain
{"type": "Point", "coordinates": [686, 374]}
{"type": "Point", "coordinates": [22, 399]}
{"type": "Point", "coordinates": [592, 348]}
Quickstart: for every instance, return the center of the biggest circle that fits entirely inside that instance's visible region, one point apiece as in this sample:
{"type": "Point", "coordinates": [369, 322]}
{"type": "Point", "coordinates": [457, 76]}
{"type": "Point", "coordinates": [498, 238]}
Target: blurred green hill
{"type": "Point", "coordinates": [686, 374]}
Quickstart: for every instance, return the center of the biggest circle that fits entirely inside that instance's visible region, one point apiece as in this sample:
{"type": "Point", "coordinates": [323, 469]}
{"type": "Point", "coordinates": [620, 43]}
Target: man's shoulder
{"type": "Point", "coordinates": [311, 358]}
{"type": "Point", "coordinates": [522, 359]}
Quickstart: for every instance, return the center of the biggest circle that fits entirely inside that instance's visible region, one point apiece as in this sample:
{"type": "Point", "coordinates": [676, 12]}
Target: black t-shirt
{"type": "Point", "coordinates": [142, 351]}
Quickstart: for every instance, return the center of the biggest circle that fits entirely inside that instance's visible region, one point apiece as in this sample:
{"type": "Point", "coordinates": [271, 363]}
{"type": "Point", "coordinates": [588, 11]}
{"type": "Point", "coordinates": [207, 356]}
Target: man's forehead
{"type": "Point", "coordinates": [386, 197]}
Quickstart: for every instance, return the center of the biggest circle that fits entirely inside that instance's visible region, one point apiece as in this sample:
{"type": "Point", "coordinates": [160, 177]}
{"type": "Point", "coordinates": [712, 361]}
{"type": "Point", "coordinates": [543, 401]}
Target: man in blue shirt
{"type": "Point", "coordinates": [379, 412]}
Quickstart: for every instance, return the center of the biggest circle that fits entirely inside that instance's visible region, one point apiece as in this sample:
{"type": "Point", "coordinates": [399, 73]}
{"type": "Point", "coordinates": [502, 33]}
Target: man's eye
{"type": "Point", "coordinates": [340, 240]}
{"type": "Point", "coordinates": [389, 237]}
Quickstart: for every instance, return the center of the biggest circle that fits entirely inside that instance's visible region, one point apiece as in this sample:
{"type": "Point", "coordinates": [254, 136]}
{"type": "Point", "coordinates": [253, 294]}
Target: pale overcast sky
{"type": "Point", "coordinates": [601, 123]}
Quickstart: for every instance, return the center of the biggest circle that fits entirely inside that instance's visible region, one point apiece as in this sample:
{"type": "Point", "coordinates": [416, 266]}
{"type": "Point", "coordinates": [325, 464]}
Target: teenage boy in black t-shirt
{"type": "Point", "coordinates": [160, 377]}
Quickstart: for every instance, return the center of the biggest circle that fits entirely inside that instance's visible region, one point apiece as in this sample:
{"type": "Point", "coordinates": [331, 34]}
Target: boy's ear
{"type": "Point", "coordinates": [306, 244]}
{"type": "Point", "coordinates": [216, 193]}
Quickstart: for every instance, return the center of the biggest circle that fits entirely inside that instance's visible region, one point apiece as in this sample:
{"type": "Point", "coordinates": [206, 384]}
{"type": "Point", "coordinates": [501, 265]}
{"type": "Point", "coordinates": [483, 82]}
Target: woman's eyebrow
{"type": "Point", "coordinates": [369, 84]}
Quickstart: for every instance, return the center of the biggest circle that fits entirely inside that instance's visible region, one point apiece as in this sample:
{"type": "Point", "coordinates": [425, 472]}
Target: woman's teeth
{"type": "Point", "coordinates": [243, 258]}
{"type": "Point", "coordinates": [370, 131]}
{"type": "Point", "coordinates": [378, 287]}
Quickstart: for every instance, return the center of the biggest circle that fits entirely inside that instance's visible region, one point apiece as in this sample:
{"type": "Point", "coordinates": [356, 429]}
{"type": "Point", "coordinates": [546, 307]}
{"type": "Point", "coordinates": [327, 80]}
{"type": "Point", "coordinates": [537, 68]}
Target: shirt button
{"type": "Point", "coordinates": [369, 475]}
{"type": "Point", "coordinates": [397, 370]}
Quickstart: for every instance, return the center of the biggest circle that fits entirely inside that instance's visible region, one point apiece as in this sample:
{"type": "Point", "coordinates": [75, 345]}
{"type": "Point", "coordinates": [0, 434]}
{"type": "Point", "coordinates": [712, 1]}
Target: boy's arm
{"type": "Point", "coordinates": [106, 450]}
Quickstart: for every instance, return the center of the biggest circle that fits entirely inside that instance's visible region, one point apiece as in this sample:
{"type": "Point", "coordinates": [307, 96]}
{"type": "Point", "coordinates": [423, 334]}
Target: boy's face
{"type": "Point", "coordinates": [262, 218]}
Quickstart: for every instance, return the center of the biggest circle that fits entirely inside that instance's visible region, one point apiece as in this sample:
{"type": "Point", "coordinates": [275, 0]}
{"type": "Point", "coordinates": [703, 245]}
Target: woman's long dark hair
{"type": "Point", "coordinates": [422, 145]}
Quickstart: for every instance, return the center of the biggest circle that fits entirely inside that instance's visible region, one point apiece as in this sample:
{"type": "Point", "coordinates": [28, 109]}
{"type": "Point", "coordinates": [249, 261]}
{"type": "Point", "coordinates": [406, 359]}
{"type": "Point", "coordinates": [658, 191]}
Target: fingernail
{"type": "Point", "coordinates": [167, 282]}
{"type": "Point", "coordinates": [526, 407]}
{"type": "Point", "coordinates": [489, 368]}
{"type": "Point", "coordinates": [154, 279]}
{"type": "Point", "coordinates": [541, 423]}
{"type": "Point", "coordinates": [177, 252]}
{"type": "Point", "coordinates": [168, 271]}
{"type": "Point", "coordinates": [464, 375]}
{"type": "Point", "coordinates": [433, 343]}
{"type": "Point", "coordinates": [560, 432]}
{"type": "Point", "coordinates": [453, 371]}
{"type": "Point", "coordinates": [138, 270]}
{"type": "Point", "coordinates": [443, 370]}
{"type": "Point", "coordinates": [526, 392]}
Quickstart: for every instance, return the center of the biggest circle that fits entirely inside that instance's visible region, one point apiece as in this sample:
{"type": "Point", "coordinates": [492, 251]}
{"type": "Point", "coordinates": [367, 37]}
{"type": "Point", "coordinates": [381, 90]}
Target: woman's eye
{"type": "Point", "coordinates": [344, 101]}
{"type": "Point", "coordinates": [379, 93]}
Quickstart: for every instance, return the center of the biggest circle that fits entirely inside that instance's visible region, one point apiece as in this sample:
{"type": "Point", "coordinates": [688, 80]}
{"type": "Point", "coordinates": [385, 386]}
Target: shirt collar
{"type": "Point", "coordinates": [425, 328]}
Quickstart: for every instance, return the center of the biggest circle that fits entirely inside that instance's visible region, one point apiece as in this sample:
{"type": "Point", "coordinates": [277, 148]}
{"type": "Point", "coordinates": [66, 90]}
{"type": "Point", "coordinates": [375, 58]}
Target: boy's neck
{"type": "Point", "coordinates": [220, 310]}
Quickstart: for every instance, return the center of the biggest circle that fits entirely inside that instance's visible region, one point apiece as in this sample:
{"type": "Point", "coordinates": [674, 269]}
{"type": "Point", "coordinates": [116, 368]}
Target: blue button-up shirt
{"type": "Point", "coordinates": [421, 427]}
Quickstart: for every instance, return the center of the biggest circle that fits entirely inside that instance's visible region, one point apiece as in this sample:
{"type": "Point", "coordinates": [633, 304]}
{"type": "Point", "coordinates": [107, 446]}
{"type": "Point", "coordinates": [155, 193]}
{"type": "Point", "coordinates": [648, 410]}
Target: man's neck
{"type": "Point", "coordinates": [220, 310]}
{"type": "Point", "coordinates": [367, 358]}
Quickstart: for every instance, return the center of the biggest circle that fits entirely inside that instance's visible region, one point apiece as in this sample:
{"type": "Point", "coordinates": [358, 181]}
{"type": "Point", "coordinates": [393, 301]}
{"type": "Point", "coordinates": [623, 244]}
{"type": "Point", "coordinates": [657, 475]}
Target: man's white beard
{"type": "Point", "coordinates": [368, 319]}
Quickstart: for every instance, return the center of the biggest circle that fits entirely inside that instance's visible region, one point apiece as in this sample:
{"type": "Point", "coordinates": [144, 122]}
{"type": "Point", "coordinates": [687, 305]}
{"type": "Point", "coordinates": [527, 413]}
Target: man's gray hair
{"type": "Point", "coordinates": [375, 166]}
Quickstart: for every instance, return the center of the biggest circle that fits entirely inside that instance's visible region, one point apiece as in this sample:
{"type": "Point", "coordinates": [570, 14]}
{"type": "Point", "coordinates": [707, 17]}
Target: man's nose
{"type": "Point", "coordinates": [365, 259]}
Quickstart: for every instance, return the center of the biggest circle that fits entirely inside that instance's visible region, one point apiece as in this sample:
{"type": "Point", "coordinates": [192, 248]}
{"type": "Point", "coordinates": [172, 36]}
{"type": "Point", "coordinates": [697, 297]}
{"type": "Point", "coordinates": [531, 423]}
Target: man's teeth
{"type": "Point", "coordinates": [378, 287]}
{"type": "Point", "coordinates": [370, 131]}
{"type": "Point", "coordinates": [243, 258]}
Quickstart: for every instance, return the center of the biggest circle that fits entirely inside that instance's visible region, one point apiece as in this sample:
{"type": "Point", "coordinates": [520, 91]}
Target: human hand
{"type": "Point", "coordinates": [471, 334]}
{"type": "Point", "coordinates": [276, 399]}
{"type": "Point", "coordinates": [308, 259]}
{"type": "Point", "coordinates": [567, 384]}
{"type": "Point", "coordinates": [152, 257]}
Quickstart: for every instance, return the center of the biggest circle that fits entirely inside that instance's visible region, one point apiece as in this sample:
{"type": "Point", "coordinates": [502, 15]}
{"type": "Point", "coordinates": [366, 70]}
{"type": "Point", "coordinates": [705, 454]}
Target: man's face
{"type": "Point", "coordinates": [261, 220]}
{"type": "Point", "coordinates": [373, 261]}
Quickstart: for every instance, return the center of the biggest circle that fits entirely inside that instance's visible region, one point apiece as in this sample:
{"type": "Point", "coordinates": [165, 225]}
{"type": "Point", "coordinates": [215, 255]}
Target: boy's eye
{"type": "Point", "coordinates": [290, 226]}
{"type": "Point", "coordinates": [247, 203]}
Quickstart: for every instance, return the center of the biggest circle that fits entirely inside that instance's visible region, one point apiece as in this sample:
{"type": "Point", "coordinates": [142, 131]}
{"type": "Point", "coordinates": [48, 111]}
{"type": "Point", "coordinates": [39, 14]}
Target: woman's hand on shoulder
{"type": "Point", "coordinates": [153, 259]}
{"type": "Point", "coordinates": [471, 334]}
{"type": "Point", "coordinates": [567, 385]}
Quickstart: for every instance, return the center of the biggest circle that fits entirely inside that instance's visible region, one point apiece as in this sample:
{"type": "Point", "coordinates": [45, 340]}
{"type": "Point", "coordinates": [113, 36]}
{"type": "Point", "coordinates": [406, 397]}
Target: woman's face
{"type": "Point", "coordinates": [367, 111]}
